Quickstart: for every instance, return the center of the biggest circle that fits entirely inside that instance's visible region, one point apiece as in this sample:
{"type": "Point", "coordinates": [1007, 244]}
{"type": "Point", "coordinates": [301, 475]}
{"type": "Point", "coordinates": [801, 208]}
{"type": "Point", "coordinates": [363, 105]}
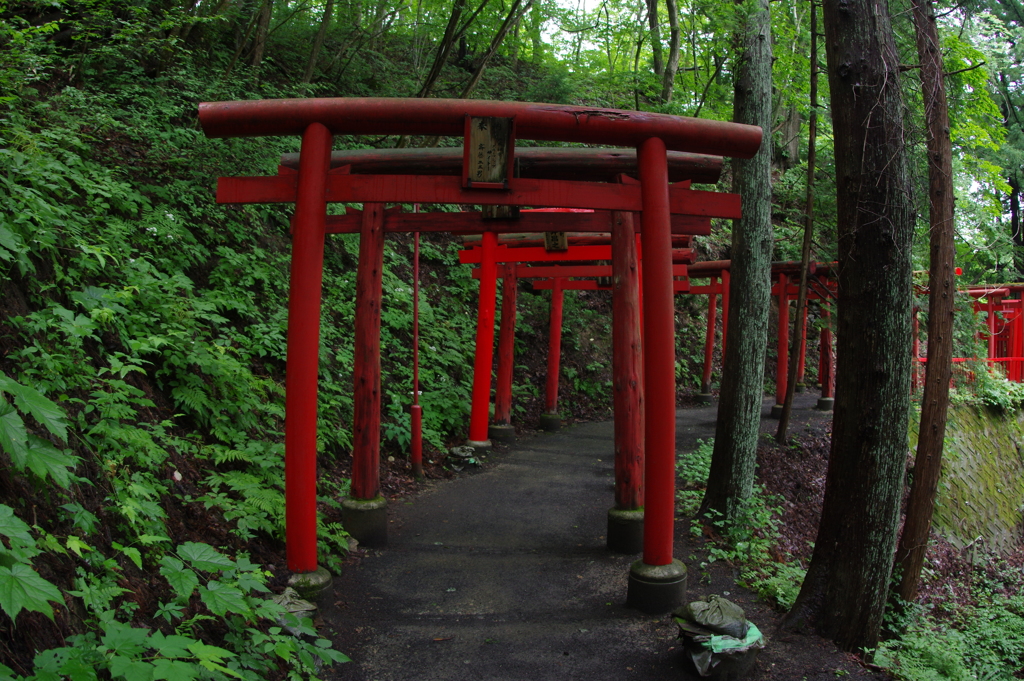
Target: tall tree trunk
{"type": "Point", "coordinates": [318, 42]}
{"type": "Point", "coordinates": [1015, 229]}
{"type": "Point", "coordinates": [805, 256]}
{"type": "Point", "coordinates": [514, 14]}
{"type": "Point", "coordinates": [262, 29]}
{"type": "Point", "coordinates": [444, 48]}
{"type": "Point", "coordinates": [668, 80]}
{"type": "Point", "coordinates": [844, 594]}
{"type": "Point", "coordinates": [942, 290]}
{"type": "Point", "coordinates": [655, 23]}
{"type": "Point", "coordinates": [536, 23]}
{"type": "Point", "coordinates": [732, 464]}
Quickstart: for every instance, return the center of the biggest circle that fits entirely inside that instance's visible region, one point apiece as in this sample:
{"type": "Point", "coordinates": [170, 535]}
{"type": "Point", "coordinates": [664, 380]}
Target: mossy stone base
{"type": "Point", "coordinates": [502, 432]}
{"type": "Point", "coordinates": [800, 387]}
{"type": "Point", "coordinates": [626, 530]}
{"type": "Point", "coordinates": [656, 589]}
{"type": "Point", "coordinates": [550, 422]}
{"type": "Point", "coordinates": [479, 444]}
{"type": "Point", "coordinates": [826, 403]}
{"type": "Point", "coordinates": [310, 585]}
{"type": "Point", "coordinates": [777, 411]}
{"type": "Point", "coordinates": [366, 520]}
{"type": "Point", "coordinates": [704, 398]}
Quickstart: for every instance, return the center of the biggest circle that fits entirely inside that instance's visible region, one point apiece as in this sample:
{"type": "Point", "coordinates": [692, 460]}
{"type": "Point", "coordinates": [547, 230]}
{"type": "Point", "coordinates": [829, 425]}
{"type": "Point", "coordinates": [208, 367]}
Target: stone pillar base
{"type": "Point", "coordinates": [826, 403]}
{"type": "Point", "coordinates": [777, 411]}
{"type": "Point", "coordinates": [502, 432]}
{"type": "Point", "coordinates": [656, 589]}
{"type": "Point", "coordinates": [626, 530]}
{"type": "Point", "coordinates": [479, 444]}
{"type": "Point", "coordinates": [704, 398]}
{"type": "Point", "coordinates": [800, 387]}
{"type": "Point", "coordinates": [550, 422]}
{"type": "Point", "coordinates": [310, 585]}
{"type": "Point", "coordinates": [366, 520]}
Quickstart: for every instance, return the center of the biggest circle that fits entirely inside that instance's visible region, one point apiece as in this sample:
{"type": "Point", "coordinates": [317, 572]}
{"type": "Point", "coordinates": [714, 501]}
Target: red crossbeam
{"type": "Point", "coordinates": [440, 189]}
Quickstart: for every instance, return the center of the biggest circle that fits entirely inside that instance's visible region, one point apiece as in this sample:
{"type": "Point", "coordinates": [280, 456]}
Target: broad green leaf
{"type": "Point", "coordinates": [21, 588]}
{"type": "Point", "coordinates": [132, 670]}
{"type": "Point", "coordinates": [221, 598]}
{"type": "Point", "coordinates": [170, 646]}
{"type": "Point", "coordinates": [174, 670]}
{"type": "Point", "coordinates": [74, 543]}
{"type": "Point", "coordinates": [34, 402]}
{"type": "Point", "coordinates": [211, 656]}
{"type": "Point", "coordinates": [13, 437]}
{"type": "Point", "coordinates": [44, 459]}
{"type": "Point", "coordinates": [204, 557]}
{"type": "Point", "coordinates": [14, 527]}
{"type": "Point", "coordinates": [182, 579]}
{"type": "Point", "coordinates": [123, 639]}
{"type": "Point", "coordinates": [131, 552]}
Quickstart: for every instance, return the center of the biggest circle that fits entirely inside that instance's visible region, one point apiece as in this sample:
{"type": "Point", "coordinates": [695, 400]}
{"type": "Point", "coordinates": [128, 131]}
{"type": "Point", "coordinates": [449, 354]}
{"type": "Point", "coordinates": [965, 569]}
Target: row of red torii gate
{"type": "Point", "coordinates": [643, 189]}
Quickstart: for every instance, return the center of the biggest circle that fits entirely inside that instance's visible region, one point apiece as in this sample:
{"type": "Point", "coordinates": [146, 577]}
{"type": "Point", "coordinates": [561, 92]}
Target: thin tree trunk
{"type": "Point", "coordinates": [942, 290]}
{"type": "Point", "coordinates": [655, 23]}
{"type": "Point", "coordinates": [844, 594]}
{"type": "Point", "coordinates": [513, 17]}
{"type": "Point", "coordinates": [668, 79]}
{"type": "Point", "coordinates": [1015, 230]}
{"type": "Point", "coordinates": [732, 464]}
{"type": "Point", "coordinates": [805, 257]}
{"type": "Point", "coordinates": [262, 29]}
{"type": "Point", "coordinates": [444, 48]}
{"type": "Point", "coordinates": [318, 42]}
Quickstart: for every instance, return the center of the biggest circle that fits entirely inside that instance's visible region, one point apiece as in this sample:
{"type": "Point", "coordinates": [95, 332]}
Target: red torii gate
{"type": "Point", "coordinates": [657, 582]}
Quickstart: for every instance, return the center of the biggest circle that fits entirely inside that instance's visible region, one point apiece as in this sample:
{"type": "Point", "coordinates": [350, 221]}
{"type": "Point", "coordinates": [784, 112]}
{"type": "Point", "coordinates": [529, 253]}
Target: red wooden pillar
{"type": "Point", "coordinates": [782, 366]}
{"type": "Point", "coordinates": [501, 428]}
{"type": "Point", "coordinates": [366, 394]}
{"type": "Point", "coordinates": [726, 279]}
{"type": "Point", "coordinates": [801, 366]}
{"type": "Point", "coordinates": [1018, 341]}
{"type": "Point", "coordinates": [550, 420]}
{"type": "Point", "coordinates": [416, 411]}
{"type": "Point", "coordinates": [625, 520]}
{"type": "Point", "coordinates": [658, 582]}
{"type": "Point", "coordinates": [304, 348]}
{"type": "Point", "coordinates": [709, 340]}
{"type": "Point", "coordinates": [991, 307]}
{"type": "Point", "coordinates": [915, 382]}
{"type": "Point", "coordinates": [484, 342]}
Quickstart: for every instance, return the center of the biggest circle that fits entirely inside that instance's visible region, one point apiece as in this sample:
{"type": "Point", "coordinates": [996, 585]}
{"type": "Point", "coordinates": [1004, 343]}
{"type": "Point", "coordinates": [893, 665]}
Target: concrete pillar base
{"type": "Point", "coordinates": [826, 403]}
{"type": "Point", "coordinates": [704, 398]}
{"type": "Point", "coordinates": [550, 422]}
{"type": "Point", "coordinates": [777, 411]}
{"type": "Point", "coordinates": [656, 589]}
{"type": "Point", "coordinates": [626, 530]}
{"type": "Point", "coordinates": [800, 387]}
{"type": "Point", "coordinates": [502, 432]}
{"type": "Point", "coordinates": [479, 444]}
{"type": "Point", "coordinates": [310, 585]}
{"type": "Point", "coordinates": [366, 520]}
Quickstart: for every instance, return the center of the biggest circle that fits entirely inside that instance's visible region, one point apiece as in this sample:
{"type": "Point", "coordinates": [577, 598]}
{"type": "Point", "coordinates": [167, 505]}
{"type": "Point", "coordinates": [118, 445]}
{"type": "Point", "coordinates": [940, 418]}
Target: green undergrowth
{"type": "Point", "coordinates": [749, 542]}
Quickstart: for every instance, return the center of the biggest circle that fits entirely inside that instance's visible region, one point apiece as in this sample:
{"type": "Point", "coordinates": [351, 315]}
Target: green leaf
{"type": "Point", "coordinates": [221, 598]}
{"type": "Point", "coordinates": [131, 552]}
{"type": "Point", "coordinates": [13, 437]}
{"type": "Point", "coordinates": [34, 402]}
{"type": "Point", "coordinates": [14, 527]}
{"type": "Point", "coordinates": [21, 588]}
{"type": "Point", "coordinates": [44, 459]}
{"type": "Point", "coordinates": [204, 557]}
{"type": "Point", "coordinates": [211, 656]}
{"type": "Point", "coordinates": [174, 670]}
{"type": "Point", "coordinates": [124, 639]}
{"type": "Point", "coordinates": [181, 578]}
{"type": "Point", "coordinates": [170, 646]}
{"type": "Point", "coordinates": [132, 670]}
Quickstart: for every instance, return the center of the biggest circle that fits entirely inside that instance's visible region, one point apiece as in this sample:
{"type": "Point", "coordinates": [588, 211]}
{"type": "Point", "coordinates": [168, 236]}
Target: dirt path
{"type": "Point", "coordinates": [503, 575]}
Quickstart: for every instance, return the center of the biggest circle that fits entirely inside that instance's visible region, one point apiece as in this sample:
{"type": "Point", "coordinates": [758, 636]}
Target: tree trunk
{"type": "Point", "coordinates": [843, 596]}
{"type": "Point", "coordinates": [513, 17]}
{"type": "Point", "coordinates": [941, 292]}
{"type": "Point", "coordinates": [444, 48]}
{"type": "Point", "coordinates": [1018, 237]}
{"type": "Point", "coordinates": [675, 37]}
{"type": "Point", "coordinates": [732, 464]}
{"type": "Point", "coordinates": [655, 23]}
{"type": "Point", "coordinates": [262, 29]}
{"type": "Point", "coordinates": [318, 42]}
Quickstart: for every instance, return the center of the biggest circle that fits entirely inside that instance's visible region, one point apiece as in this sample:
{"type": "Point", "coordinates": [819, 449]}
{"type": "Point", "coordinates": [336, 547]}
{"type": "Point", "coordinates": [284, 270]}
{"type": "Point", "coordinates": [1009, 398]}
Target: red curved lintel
{"type": "Point", "coordinates": [534, 121]}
